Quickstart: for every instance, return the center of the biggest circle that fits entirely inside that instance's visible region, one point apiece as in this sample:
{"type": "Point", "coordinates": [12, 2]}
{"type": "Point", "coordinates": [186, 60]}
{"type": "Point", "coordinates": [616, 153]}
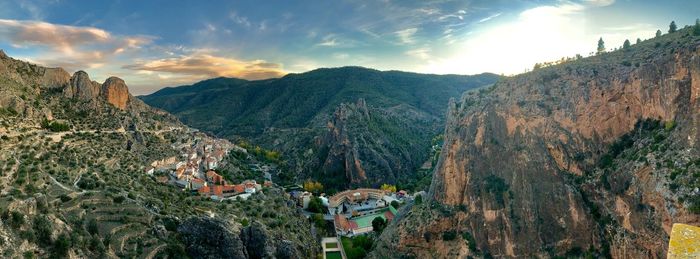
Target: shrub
{"type": "Point", "coordinates": [449, 235]}
{"type": "Point", "coordinates": [43, 229]}
{"type": "Point", "coordinates": [418, 199]}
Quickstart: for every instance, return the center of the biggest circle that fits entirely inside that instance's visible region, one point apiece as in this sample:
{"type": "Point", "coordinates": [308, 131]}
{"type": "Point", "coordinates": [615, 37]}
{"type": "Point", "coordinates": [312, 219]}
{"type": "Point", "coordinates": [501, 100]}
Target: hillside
{"type": "Point", "coordinates": [298, 115]}
{"type": "Point", "coordinates": [73, 181]}
{"type": "Point", "coordinates": [595, 157]}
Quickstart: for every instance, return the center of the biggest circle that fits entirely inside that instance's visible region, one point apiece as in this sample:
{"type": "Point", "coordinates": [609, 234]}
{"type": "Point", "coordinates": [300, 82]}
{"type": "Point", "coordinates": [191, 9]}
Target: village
{"type": "Point", "coordinates": [195, 169]}
{"type": "Point", "coordinates": [352, 213]}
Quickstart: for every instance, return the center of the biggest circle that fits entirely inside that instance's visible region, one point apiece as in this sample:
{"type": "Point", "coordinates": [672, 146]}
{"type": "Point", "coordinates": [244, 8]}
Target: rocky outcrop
{"type": "Point", "coordinates": [367, 145]}
{"type": "Point", "coordinates": [504, 175]}
{"type": "Point", "coordinates": [211, 238]}
{"type": "Point", "coordinates": [255, 241]}
{"type": "Point", "coordinates": [215, 238]}
{"type": "Point", "coordinates": [115, 92]}
{"type": "Point", "coordinates": [82, 87]}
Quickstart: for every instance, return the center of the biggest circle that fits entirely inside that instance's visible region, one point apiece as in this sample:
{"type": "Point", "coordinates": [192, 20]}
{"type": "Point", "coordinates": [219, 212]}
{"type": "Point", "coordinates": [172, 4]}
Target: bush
{"type": "Point", "coordinates": [92, 227]}
{"type": "Point", "coordinates": [449, 235]}
{"type": "Point", "coordinates": [61, 246]}
{"type": "Point", "coordinates": [418, 199]}
{"type": "Point", "coordinates": [470, 241]}
{"type": "Point", "coordinates": [378, 224]}
{"type": "Point", "coordinates": [43, 229]}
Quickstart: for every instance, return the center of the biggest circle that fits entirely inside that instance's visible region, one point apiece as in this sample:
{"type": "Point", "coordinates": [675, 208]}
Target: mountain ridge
{"type": "Point", "coordinates": [292, 114]}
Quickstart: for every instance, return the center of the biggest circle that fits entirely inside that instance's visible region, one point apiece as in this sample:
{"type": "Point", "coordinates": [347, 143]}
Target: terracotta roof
{"type": "Point", "coordinates": [197, 180]}
{"type": "Point", "coordinates": [342, 223]}
{"type": "Point", "coordinates": [239, 188]}
{"type": "Point", "coordinates": [389, 215]}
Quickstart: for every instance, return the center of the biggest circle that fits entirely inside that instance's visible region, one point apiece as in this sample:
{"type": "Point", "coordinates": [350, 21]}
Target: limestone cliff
{"type": "Point", "coordinates": [534, 166]}
{"type": "Point", "coordinates": [366, 145]}
{"type": "Point", "coordinates": [115, 92]}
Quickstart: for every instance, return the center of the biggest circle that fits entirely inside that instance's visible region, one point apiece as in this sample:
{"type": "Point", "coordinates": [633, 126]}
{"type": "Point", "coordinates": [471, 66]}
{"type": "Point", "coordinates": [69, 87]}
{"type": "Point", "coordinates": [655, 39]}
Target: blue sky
{"type": "Point", "coordinates": [152, 44]}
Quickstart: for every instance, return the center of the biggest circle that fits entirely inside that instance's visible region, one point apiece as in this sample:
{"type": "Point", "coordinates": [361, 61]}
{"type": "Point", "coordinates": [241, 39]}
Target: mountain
{"type": "Point", "coordinates": [354, 125]}
{"type": "Point", "coordinates": [594, 157]}
{"type": "Point", "coordinates": [74, 184]}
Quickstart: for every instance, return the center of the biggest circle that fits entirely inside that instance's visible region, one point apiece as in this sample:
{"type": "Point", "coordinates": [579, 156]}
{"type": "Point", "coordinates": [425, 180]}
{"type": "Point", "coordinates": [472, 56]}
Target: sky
{"type": "Point", "coordinates": [159, 43]}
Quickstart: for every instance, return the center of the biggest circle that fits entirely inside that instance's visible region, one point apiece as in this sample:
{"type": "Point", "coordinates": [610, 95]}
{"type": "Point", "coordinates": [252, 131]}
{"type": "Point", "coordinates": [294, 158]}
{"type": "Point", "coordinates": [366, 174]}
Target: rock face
{"type": "Point", "coordinates": [504, 175]}
{"type": "Point", "coordinates": [211, 238]}
{"type": "Point", "coordinates": [367, 145]}
{"type": "Point", "coordinates": [115, 92]}
{"type": "Point", "coordinates": [82, 87]}
{"type": "Point", "coordinates": [214, 238]}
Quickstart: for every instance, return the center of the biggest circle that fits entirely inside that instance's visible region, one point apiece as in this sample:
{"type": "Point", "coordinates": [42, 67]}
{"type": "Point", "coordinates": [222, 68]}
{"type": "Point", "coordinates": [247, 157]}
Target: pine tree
{"type": "Point", "coordinates": [696, 28]}
{"type": "Point", "coordinates": [672, 28]}
{"type": "Point", "coordinates": [658, 33]}
{"type": "Point", "coordinates": [601, 46]}
{"type": "Point", "coordinates": [639, 41]}
{"type": "Point", "coordinates": [626, 45]}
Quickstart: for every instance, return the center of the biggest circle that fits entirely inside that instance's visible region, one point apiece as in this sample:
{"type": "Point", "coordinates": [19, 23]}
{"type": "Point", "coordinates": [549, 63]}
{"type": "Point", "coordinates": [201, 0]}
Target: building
{"type": "Point", "coordinates": [356, 201]}
{"type": "Point", "coordinates": [352, 226]}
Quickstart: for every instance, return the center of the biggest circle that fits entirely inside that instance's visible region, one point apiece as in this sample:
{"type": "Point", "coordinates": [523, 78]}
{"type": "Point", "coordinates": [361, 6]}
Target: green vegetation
{"type": "Point", "coordinates": [357, 247]}
{"type": "Point", "coordinates": [496, 186]}
{"type": "Point", "coordinates": [470, 241]}
{"type": "Point", "coordinates": [378, 224]}
{"type": "Point", "coordinates": [601, 46]}
{"type": "Point", "coordinates": [626, 45]}
{"type": "Point", "coordinates": [672, 27]}
{"type": "Point", "coordinates": [696, 27]}
{"type": "Point", "coordinates": [54, 126]}
{"type": "Point", "coordinates": [449, 235]}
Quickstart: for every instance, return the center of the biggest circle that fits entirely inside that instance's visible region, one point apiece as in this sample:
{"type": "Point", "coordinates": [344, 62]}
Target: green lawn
{"type": "Point", "coordinates": [334, 255]}
{"type": "Point", "coordinates": [331, 245]}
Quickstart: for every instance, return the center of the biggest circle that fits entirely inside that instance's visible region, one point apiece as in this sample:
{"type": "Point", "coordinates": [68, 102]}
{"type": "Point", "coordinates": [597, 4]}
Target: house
{"type": "Point", "coordinates": [304, 198]}
{"type": "Point", "coordinates": [221, 191]}
{"type": "Point", "coordinates": [196, 184]}
{"type": "Point", "coordinates": [251, 186]}
{"type": "Point", "coordinates": [212, 163]}
{"type": "Point", "coordinates": [150, 170]}
{"type": "Point", "coordinates": [215, 178]}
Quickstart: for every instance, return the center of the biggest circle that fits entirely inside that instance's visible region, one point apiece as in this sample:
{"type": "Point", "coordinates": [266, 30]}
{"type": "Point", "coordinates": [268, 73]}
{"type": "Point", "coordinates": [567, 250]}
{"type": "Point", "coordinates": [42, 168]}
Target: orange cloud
{"type": "Point", "coordinates": [206, 65]}
{"type": "Point", "coordinates": [66, 39]}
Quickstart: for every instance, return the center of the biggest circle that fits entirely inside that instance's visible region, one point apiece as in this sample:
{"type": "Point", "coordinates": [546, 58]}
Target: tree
{"type": "Point", "coordinates": [418, 199]}
{"type": "Point", "coordinates": [639, 41]}
{"type": "Point", "coordinates": [696, 28]}
{"type": "Point", "coordinates": [315, 205]}
{"type": "Point", "coordinates": [672, 28]}
{"type": "Point", "coordinates": [61, 246]}
{"type": "Point", "coordinates": [378, 224]}
{"type": "Point", "coordinates": [388, 188]}
{"type": "Point", "coordinates": [658, 33]}
{"type": "Point", "coordinates": [312, 186]}
{"type": "Point", "coordinates": [601, 46]}
{"type": "Point", "coordinates": [626, 45]}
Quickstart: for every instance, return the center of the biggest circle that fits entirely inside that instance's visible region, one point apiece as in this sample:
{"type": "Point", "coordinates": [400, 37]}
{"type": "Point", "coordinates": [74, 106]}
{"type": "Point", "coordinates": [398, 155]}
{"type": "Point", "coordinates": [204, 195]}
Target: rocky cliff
{"type": "Point", "coordinates": [113, 91]}
{"type": "Point", "coordinates": [367, 145]}
{"type": "Point", "coordinates": [567, 160]}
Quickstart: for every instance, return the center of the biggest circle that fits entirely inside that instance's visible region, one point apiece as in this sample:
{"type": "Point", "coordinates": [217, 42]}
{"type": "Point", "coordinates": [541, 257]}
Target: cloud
{"type": "Point", "coordinates": [406, 36]}
{"type": "Point", "coordinates": [489, 18]}
{"type": "Point", "coordinates": [202, 65]}
{"type": "Point", "coordinates": [65, 38]}
{"type": "Point", "coordinates": [239, 19]}
{"type": "Point", "coordinates": [600, 3]}
{"type": "Point", "coordinates": [420, 53]}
